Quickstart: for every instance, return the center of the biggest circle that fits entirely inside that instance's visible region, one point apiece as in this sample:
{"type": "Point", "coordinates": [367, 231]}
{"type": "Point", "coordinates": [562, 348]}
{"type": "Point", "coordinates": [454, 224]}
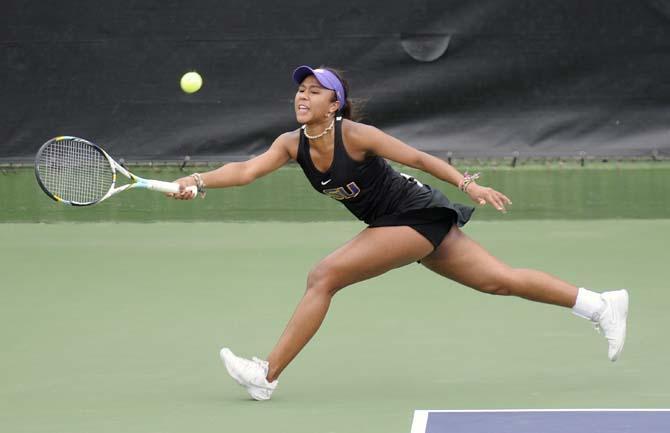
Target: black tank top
{"type": "Point", "coordinates": [371, 189]}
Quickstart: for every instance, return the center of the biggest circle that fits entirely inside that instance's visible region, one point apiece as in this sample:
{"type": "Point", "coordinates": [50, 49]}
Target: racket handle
{"type": "Point", "coordinates": [193, 189]}
{"type": "Point", "coordinates": [167, 187]}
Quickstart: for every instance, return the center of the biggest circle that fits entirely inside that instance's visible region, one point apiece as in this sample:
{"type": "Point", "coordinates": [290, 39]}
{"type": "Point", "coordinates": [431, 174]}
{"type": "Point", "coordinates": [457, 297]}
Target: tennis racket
{"type": "Point", "coordinates": [77, 172]}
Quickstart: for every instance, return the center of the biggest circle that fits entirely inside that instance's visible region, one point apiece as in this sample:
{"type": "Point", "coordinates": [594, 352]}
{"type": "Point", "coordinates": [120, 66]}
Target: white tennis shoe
{"type": "Point", "coordinates": [612, 321]}
{"type": "Point", "coordinates": [250, 374]}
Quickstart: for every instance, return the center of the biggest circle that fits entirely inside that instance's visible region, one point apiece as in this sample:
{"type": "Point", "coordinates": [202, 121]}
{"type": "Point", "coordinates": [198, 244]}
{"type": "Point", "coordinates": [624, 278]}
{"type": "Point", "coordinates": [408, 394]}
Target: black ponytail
{"type": "Point", "coordinates": [351, 110]}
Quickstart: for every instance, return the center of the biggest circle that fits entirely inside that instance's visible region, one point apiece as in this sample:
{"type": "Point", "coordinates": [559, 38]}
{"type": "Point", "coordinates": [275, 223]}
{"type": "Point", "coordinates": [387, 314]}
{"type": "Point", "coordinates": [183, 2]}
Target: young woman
{"type": "Point", "coordinates": [407, 222]}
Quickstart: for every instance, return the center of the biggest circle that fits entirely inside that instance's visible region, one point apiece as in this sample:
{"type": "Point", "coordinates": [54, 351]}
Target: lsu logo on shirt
{"type": "Point", "coordinates": [343, 193]}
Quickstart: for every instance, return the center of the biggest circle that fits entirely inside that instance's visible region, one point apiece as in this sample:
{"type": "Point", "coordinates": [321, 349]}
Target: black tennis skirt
{"type": "Point", "coordinates": [433, 220]}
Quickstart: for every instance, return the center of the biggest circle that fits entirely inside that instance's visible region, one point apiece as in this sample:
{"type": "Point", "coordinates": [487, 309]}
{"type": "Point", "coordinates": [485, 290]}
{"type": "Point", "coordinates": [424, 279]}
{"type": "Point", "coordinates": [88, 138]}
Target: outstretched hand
{"type": "Point", "coordinates": [483, 195]}
{"type": "Point", "coordinates": [184, 194]}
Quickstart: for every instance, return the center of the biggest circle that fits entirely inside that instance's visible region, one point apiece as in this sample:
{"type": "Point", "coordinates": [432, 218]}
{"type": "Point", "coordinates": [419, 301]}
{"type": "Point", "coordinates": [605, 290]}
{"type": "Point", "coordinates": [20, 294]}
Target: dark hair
{"type": "Point", "coordinates": [351, 111]}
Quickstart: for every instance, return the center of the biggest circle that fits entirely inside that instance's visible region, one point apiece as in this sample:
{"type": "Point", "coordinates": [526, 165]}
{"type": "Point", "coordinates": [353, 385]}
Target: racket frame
{"type": "Point", "coordinates": [135, 181]}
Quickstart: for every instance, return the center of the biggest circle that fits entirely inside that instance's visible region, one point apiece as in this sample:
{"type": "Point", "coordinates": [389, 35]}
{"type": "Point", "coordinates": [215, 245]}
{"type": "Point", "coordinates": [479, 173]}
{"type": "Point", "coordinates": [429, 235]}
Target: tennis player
{"type": "Point", "coordinates": [407, 222]}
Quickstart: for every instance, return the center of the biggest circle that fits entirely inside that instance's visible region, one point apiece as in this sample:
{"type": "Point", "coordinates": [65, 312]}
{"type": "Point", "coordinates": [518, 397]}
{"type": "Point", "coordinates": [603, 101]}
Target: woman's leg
{"type": "Point", "coordinates": [465, 261]}
{"type": "Point", "coordinates": [372, 252]}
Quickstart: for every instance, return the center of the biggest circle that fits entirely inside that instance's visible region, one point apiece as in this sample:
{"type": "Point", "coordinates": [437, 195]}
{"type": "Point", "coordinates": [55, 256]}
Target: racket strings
{"type": "Point", "coordinates": [75, 171]}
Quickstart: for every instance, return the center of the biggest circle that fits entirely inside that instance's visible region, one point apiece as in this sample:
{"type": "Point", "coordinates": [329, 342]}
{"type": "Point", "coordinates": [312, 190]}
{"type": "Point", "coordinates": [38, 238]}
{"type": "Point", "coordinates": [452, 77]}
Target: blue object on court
{"type": "Point", "coordinates": [543, 421]}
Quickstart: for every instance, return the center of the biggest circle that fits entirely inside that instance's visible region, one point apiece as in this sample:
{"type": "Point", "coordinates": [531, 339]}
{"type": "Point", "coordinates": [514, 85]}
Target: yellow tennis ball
{"type": "Point", "coordinates": [191, 82]}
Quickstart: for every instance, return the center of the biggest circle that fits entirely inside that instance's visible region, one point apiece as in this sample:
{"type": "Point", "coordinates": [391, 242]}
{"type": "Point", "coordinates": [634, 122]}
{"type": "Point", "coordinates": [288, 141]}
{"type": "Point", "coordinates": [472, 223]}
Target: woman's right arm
{"type": "Point", "coordinates": [241, 173]}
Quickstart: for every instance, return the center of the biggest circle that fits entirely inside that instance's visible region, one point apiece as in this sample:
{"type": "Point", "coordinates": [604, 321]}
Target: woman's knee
{"type": "Point", "coordinates": [503, 284]}
{"type": "Point", "coordinates": [496, 288]}
{"type": "Point", "coordinates": [322, 279]}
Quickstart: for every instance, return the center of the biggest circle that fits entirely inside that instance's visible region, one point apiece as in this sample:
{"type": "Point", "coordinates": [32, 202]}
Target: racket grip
{"type": "Point", "coordinates": [193, 189]}
{"type": "Point", "coordinates": [168, 187]}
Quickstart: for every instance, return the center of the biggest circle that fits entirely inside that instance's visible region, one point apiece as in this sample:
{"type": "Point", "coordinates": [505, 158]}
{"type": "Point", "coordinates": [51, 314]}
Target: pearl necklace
{"type": "Point", "coordinates": [314, 137]}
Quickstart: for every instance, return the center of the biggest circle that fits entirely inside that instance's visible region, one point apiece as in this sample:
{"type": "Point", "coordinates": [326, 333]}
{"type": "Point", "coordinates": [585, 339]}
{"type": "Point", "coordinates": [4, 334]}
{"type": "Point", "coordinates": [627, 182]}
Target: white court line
{"type": "Point", "coordinates": [419, 421]}
{"type": "Point", "coordinates": [421, 416]}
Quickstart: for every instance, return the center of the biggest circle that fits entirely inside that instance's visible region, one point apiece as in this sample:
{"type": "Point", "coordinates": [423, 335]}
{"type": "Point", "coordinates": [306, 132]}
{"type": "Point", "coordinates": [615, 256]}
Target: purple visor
{"type": "Point", "coordinates": [326, 78]}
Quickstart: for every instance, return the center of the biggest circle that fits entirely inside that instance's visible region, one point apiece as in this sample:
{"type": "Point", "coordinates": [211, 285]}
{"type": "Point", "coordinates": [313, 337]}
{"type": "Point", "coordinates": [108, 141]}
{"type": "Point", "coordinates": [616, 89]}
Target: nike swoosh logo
{"type": "Point", "coordinates": [326, 182]}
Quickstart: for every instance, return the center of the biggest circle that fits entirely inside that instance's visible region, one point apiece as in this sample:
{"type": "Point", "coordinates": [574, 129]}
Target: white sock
{"type": "Point", "coordinates": [589, 304]}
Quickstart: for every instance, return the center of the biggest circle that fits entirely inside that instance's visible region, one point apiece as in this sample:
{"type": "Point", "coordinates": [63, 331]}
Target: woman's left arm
{"type": "Point", "coordinates": [378, 142]}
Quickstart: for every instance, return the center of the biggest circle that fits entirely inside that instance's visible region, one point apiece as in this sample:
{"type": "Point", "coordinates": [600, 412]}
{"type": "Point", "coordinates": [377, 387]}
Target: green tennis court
{"type": "Point", "coordinates": [114, 323]}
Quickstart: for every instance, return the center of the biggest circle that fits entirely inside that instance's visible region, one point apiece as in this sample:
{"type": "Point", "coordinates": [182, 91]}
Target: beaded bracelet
{"type": "Point", "coordinates": [467, 180]}
{"type": "Point", "coordinates": [200, 184]}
